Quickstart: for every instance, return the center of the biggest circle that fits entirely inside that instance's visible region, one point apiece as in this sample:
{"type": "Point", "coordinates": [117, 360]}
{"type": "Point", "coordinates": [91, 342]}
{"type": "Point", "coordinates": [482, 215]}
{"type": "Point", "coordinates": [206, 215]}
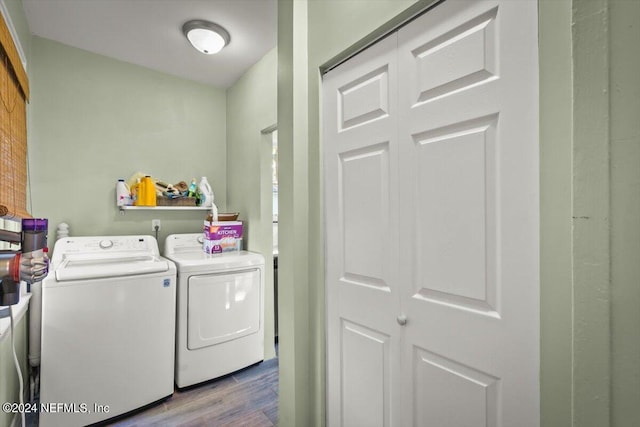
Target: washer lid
{"type": "Point", "coordinates": [94, 257]}
{"type": "Point", "coordinates": [91, 266]}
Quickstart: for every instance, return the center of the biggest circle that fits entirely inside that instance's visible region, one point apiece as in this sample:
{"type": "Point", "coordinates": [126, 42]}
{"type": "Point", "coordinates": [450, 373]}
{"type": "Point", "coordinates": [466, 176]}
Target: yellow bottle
{"type": "Point", "coordinates": [149, 191]}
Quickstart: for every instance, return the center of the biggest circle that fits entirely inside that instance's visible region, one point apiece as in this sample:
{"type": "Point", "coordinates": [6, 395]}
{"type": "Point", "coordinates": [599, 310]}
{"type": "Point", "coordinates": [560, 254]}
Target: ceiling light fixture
{"type": "Point", "coordinates": [205, 36]}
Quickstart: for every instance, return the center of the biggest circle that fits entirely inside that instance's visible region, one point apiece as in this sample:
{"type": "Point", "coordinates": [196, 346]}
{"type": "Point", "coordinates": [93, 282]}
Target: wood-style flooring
{"type": "Point", "coordinates": [247, 398]}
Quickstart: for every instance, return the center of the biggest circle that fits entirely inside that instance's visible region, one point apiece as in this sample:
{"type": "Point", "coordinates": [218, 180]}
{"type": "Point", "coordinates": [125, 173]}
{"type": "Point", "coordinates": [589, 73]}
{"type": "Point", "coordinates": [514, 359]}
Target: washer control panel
{"type": "Point", "coordinates": [96, 245]}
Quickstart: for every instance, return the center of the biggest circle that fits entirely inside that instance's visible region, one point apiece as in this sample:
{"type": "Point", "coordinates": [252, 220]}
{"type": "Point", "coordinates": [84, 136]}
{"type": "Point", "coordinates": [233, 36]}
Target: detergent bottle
{"type": "Point", "coordinates": [193, 189]}
{"type": "Point", "coordinates": [206, 193]}
{"type": "Point", "coordinates": [123, 194]}
{"type": "Point", "coordinates": [149, 191]}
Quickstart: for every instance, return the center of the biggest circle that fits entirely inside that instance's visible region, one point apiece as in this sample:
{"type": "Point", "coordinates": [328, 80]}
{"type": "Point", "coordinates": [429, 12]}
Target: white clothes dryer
{"type": "Point", "coordinates": [220, 310]}
{"type": "Point", "coordinates": [108, 329]}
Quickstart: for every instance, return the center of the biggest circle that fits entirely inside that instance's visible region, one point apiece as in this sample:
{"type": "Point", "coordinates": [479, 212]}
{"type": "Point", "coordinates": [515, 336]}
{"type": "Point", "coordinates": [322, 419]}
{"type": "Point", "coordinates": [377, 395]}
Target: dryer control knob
{"type": "Point", "coordinates": [106, 244]}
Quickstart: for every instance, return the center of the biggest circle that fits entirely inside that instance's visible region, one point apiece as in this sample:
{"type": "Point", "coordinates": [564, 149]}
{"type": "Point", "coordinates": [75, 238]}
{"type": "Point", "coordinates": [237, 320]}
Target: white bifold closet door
{"type": "Point", "coordinates": [431, 177]}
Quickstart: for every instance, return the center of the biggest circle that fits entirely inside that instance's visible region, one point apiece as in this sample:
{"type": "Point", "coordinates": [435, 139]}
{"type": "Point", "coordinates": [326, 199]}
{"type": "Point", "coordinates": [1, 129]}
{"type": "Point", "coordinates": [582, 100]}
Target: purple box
{"type": "Point", "coordinates": [222, 236]}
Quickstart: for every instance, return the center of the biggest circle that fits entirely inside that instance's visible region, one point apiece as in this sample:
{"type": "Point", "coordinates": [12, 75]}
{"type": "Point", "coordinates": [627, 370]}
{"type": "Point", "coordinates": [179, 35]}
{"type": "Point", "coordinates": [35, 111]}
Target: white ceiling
{"type": "Point", "coordinates": [149, 32]}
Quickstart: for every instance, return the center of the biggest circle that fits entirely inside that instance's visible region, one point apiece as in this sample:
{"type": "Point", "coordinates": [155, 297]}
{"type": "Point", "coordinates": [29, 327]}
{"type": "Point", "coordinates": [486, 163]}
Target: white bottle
{"type": "Point", "coordinates": [123, 194]}
{"type": "Point", "coordinates": [206, 193]}
{"type": "Point", "coordinates": [62, 231]}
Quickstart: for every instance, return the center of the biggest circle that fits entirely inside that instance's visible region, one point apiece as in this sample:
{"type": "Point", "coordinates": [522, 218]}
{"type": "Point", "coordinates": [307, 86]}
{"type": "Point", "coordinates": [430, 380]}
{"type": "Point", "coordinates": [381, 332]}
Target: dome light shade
{"type": "Point", "coordinates": [205, 36]}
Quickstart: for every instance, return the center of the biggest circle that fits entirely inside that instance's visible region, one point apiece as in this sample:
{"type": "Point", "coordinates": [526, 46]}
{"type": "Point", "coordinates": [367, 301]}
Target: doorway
{"type": "Point", "coordinates": [269, 208]}
{"type": "Point", "coordinates": [274, 203]}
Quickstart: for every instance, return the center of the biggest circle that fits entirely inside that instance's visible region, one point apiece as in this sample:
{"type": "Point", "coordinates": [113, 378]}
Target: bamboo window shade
{"type": "Point", "coordinates": [14, 94]}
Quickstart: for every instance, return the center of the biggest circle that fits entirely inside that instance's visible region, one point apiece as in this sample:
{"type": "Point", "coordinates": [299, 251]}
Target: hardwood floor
{"type": "Point", "coordinates": [248, 398]}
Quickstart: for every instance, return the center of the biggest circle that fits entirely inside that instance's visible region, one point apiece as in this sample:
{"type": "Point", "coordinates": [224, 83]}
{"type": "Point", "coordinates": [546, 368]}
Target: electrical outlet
{"type": "Point", "coordinates": [155, 223]}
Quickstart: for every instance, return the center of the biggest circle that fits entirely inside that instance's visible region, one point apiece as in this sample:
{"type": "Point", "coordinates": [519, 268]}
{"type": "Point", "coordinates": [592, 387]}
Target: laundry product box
{"type": "Point", "coordinates": [222, 236]}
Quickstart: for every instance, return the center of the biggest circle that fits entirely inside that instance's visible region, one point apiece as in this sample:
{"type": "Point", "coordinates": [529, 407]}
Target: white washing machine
{"type": "Point", "coordinates": [108, 329]}
{"type": "Point", "coordinates": [220, 318]}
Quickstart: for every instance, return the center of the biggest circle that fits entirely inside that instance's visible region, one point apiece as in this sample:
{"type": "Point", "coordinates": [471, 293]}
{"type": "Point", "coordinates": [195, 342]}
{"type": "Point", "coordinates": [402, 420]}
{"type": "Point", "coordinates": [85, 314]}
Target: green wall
{"type": "Point", "coordinates": [297, 380]}
{"type": "Point", "coordinates": [591, 216]}
{"type": "Point", "coordinates": [590, 187]}
{"type": "Point", "coordinates": [624, 127]}
{"type": "Point", "coordinates": [556, 329]}
{"type": "Point", "coordinates": [251, 108]}
{"type": "Point", "coordinates": [94, 119]}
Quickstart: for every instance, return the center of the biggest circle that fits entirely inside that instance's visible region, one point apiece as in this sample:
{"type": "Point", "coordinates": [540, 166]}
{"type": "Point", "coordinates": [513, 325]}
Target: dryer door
{"type": "Point", "coordinates": [223, 307]}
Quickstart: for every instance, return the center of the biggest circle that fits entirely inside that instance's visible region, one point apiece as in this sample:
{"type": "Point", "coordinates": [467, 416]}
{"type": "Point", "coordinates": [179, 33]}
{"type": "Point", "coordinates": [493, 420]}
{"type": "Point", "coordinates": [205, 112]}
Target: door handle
{"type": "Point", "coordinates": [402, 320]}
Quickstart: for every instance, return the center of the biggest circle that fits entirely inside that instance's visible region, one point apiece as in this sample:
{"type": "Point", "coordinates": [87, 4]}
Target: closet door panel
{"type": "Point", "coordinates": [468, 147]}
{"type": "Point", "coordinates": [455, 213]}
{"type": "Point", "coordinates": [360, 177]}
{"type": "Point", "coordinates": [365, 377]}
{"type": "Point", "coordinates": [443, 387]}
